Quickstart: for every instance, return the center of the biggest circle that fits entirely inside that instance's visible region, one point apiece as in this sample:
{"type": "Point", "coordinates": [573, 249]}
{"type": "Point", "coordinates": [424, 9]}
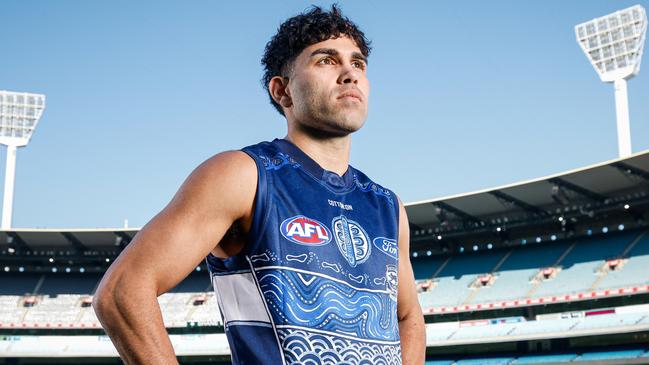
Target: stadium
{"type": "Point", "coordinates": [547, 271]}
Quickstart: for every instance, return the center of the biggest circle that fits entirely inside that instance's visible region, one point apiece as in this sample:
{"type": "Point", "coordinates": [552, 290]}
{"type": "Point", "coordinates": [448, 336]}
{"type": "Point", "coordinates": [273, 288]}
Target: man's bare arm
{"type": "Point", "coordinates": [218, 193]}
{"type": "Point", "coordinates": [411, 319]}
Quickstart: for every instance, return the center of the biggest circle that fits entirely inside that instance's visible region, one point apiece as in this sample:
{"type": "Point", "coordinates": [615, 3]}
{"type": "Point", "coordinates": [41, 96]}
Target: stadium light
{"type": "Point", "coordinates": [613, 45]}
{"type": "Point", "coordinates": [19, 115]}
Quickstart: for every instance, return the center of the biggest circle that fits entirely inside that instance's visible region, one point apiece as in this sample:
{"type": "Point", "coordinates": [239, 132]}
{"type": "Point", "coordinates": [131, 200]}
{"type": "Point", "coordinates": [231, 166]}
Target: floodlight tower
{"type": "Point", "coordinates": [613, 44]}
{"type": "Point", "coordinates": [19, 114]}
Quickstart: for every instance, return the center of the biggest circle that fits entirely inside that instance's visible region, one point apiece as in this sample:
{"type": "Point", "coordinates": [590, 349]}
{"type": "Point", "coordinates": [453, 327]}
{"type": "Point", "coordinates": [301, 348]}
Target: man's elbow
{"type": "Point", "coordinates": [118, 295]}
{"type": "Point", "coordinates": [103, 302]}
{"type": "Point", "coordinates": [414, 314]}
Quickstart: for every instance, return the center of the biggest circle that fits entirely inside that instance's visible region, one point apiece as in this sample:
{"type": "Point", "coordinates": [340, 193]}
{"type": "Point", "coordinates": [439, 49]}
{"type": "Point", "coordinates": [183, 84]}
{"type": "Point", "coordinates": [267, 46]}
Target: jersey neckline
{"type": "Point", "coordinates": [327, 177]}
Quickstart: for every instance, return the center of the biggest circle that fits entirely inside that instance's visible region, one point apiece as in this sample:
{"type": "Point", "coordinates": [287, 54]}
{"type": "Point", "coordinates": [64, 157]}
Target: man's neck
{"type": "Point", "coordinates": [330, 153]}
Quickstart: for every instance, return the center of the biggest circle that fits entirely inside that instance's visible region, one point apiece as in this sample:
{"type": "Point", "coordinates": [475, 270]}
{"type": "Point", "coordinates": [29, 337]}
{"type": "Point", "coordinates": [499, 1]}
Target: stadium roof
{"type": "Point", "coordinates": [618, 181]}
{"type": "Point", "coordinates": [67, 239]}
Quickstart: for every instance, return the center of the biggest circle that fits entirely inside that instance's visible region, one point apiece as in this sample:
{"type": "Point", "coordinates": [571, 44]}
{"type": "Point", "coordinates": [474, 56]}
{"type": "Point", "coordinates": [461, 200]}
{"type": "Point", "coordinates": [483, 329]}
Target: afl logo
{"type": "Point", "coordinates": [305, 231]}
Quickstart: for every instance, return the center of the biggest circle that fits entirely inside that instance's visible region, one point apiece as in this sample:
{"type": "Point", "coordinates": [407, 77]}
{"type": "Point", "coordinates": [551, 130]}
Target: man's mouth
{"type": "Point", "coordinates": [352, 94]}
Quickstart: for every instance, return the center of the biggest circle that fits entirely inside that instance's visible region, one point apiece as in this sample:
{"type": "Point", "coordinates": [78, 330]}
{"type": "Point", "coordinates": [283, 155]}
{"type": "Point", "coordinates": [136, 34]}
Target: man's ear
{"type": "Point", "coordinates": [278, 88]}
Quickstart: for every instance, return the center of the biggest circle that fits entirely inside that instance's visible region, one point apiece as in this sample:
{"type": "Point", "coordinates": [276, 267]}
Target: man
{"type": "Point", "coordinates": [309, 258]}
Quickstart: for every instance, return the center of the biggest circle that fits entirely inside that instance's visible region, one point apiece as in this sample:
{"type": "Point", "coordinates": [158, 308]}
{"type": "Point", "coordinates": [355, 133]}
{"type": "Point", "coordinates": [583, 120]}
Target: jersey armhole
{"type": "Point", "coordinates": [261, 211]}
{"type": "Point", "coordinates": [397, 211]}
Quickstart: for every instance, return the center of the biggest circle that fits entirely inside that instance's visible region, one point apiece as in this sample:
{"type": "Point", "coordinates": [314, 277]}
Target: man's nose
{"type": "Point", "coordinates": [348, 75]}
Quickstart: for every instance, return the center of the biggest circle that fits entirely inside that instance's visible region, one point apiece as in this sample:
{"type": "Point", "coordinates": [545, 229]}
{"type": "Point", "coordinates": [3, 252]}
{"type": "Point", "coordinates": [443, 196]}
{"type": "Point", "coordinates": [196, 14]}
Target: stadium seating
{"type": "Point", "coordinates": [543, 359]}
{"type": "Point", "coordinates": [196, 282]}
{"type": "Point", "coordinates": [424, 268]}
{"type": "Point", "coordinates": [490, 361]}
{"type": "Point", "coordinates": [576, 267]}
{"type": "Point", "coordinates": [607, 355]}
{"type": "Point", "coordinates": [633, 271]}
{"type": "Point", "coordinates": [514, 276]}
{"type": "Point", "coordinates": [207, 314]}
{"type": "Point", "coordinates": [580, 266]}
{"type": "Point", "coordinates": [68, 283]}
{"type": "Point", "coordinates": [58, 302]}
{"type": "Point", "coordinates": [11, 309]}
{"type": "Point", "coordinates": [452, 286]}
{"type": "Point", "coordinates": [87, 317]}
{"type": "Point", "coordinates": [65, 307]}
{"type": "Point", "coordinates": [193, 302]}
{"type": "Point", "coordinates": [482, 330]}
{"type": "Point", "coordinates": [18, 284]}
{"type": "Point", "coordinates": [179, 309]}
{"type": "Point", "coordinates": [175, 308]}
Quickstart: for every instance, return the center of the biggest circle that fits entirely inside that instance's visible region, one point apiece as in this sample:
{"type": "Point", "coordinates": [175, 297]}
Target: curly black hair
{"type": "Point", "coordinates": [301, 31]}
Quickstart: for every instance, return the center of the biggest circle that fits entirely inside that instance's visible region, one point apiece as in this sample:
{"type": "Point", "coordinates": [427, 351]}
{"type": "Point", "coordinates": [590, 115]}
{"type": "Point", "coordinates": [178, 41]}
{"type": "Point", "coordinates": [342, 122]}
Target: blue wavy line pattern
{"type": "Point", "coordinates": [305, 300]}
{"type": "Point", "coordinates": [308, 348]}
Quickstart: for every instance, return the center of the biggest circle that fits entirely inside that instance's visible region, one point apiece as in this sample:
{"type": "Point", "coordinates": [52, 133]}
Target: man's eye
{"type": "Point", "coordinates": [326, 61]}
{"type": "Point", "coordinates": [359, 64]}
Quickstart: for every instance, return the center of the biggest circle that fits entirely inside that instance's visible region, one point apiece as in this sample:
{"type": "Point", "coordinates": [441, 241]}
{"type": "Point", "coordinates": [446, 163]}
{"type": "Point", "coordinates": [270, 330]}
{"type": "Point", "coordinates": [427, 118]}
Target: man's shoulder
{"type": "Point", "coordinates": [235, 160]}
{"type": "Point", "coordinates": [234, 167]}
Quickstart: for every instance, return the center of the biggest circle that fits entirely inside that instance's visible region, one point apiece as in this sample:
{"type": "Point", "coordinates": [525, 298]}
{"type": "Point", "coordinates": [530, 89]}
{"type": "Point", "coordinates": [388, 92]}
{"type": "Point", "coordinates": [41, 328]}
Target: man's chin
{"type": "Point", "coordinates": [332, 130]}
{"type": "Point", "coordinates": [347, 124]}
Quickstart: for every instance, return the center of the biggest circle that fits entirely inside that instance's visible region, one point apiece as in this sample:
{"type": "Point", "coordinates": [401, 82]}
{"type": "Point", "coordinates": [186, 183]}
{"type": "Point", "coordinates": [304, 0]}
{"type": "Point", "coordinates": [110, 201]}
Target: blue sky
{"type": "Point", "coordinates": [465, 95]}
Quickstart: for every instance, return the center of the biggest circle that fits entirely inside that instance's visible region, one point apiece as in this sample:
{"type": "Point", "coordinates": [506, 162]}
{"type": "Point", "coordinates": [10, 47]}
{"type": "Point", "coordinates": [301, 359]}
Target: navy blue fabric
{"type": "Point", "coordinates": [323, 251]}
{"type": "Point", "coordinates": [260, 343]}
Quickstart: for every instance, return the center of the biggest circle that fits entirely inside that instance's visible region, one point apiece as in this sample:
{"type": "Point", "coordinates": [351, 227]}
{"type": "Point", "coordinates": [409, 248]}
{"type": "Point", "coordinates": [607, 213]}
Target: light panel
{"type": "Point", "coordinates": [19, 115]}
{"type": "Point", "coordinates": [614, 43]}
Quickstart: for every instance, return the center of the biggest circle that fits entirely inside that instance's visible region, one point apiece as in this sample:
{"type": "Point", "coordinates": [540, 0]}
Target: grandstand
{"type": "Point", "coordinates": [545, 271]}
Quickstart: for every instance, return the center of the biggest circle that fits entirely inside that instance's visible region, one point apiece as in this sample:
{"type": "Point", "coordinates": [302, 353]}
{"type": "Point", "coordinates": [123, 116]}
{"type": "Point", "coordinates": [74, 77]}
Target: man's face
{"type": "Point", "coordinates": [329, 88]}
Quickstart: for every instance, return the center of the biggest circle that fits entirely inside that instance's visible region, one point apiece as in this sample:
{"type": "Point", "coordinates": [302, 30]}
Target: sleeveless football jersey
{"type": "Point", "coordinates": [317, 280]}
